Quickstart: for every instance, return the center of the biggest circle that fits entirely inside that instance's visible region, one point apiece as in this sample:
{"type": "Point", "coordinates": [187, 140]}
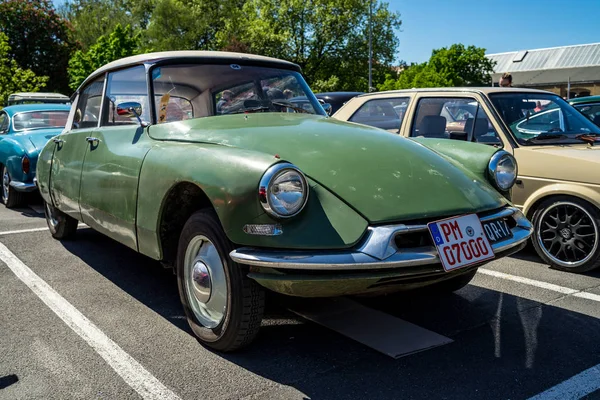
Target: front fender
{"type": "Point", "coordinates": [229, 177]}
{"type": "Point", "coordinates": [589, 193]}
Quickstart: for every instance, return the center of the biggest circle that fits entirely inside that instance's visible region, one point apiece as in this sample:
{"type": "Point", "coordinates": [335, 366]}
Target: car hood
{"type": "Point", "coordinates": [35, 140]}
{"type": "Point", "coordinates": [382, 176]}
{"type": "Point", "coordinates": [575, 162]}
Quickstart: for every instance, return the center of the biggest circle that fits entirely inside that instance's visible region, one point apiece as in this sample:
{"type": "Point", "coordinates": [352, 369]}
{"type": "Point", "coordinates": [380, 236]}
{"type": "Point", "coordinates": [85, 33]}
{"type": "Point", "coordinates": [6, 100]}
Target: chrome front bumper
{"type": "Point", "coordinates": [377, 251]}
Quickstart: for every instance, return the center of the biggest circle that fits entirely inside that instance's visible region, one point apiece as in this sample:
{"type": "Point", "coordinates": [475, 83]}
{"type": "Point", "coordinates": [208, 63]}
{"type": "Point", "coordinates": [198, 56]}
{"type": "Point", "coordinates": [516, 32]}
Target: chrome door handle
{"type": "Point", "coordinates": [92, 139]}
{"type": "Point", "coordinates": [57, 140]}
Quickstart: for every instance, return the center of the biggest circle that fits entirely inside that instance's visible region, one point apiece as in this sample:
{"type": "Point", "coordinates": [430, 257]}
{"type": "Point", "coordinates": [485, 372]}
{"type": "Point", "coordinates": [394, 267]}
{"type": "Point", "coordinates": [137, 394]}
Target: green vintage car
{"type": "Point", "coordinates": [197, 159]}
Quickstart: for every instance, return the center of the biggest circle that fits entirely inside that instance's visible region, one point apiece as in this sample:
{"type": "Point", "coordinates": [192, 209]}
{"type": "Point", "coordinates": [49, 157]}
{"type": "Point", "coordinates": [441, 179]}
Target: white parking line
{"type": "Point", "coordinates": [573, 388]}
{"type": "Point", "coordinates": [23, 231]}
{"type": "Point", "coordinates": [132, 372]}
{"type": "Point", "coordinates": [5, 233]}
{"type": "Point", "coordinates": [540, 284]}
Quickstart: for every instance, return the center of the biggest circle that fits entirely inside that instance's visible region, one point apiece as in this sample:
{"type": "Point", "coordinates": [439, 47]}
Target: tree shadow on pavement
{"type": "Point", "coordinates": [504, 346]}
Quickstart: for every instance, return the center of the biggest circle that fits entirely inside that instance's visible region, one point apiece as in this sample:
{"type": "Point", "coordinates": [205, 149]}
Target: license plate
{"type": "Point", "coordinates": [460, 241]}
{"type": "Point", "coordinates": [497, 230]}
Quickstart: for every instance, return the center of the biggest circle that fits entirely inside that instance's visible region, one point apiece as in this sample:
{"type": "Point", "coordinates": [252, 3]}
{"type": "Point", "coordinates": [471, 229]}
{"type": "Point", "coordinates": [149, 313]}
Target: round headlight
{"type": "Point", "coordinates": [283, 190]}
{"type": "Point", "coordinates": [503, 170]}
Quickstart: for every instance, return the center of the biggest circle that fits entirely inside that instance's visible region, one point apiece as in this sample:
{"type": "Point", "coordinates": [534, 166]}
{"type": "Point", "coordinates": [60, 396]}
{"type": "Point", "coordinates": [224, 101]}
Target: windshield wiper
{"type": "Point", "coordinates": [251, 110]}
{"type": "Point", "coordinates": [289, 105]}
{"type": "Point", "coordinates": [549, 136]}
{"type": "Point", "coordinates": [588, 137]}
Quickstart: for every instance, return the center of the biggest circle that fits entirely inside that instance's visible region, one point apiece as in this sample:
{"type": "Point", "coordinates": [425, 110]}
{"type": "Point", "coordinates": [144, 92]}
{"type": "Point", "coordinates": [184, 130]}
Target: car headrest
{"type": "Point", "coordinates": [432, 126]}
{"type": "Point", "coordinates": [481, 126]}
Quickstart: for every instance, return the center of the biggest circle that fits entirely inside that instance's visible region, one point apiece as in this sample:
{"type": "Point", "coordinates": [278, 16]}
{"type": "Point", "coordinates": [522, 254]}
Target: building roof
{"type": "Point", "coordinates": [189, 55]}
{"type": "Point", "coordinates": [579, 63]}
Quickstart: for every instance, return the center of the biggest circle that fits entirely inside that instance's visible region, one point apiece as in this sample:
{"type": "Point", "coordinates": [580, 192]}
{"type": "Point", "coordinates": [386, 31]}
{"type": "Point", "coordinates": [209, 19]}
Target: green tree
{"type": "Point", "coordinates": [454, 66]}
{"type": "Point", "coordinates": [39, 39]}
{"type": "Point", "coordinates": [325, 37]}
{"type": "Point", "coordinates": [94, 18]}
{"type": "Point", "coordinates": [189, 24]}
{"type": "Point", "coordinates": [122, 42]}
{"type": "Point", "coordinates": [14, 78]}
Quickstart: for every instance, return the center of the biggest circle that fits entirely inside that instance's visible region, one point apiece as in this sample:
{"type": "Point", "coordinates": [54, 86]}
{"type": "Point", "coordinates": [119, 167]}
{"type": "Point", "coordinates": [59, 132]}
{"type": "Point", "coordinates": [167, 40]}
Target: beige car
{"type": "Point", "coordinates": [556, 147]}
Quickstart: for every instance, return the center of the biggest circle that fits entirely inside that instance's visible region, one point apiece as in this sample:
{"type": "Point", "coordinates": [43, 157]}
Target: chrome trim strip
{"type": "Point", "coordinates": [377, 252]}
{"type": "Point", "coordinates": [23, 187]}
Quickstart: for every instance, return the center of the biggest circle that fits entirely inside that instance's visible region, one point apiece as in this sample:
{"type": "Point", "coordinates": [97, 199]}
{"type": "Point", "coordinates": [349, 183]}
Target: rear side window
{"type": "Point", "coordinates": [87, 113]}
{"type": "Point", "coordinates": [382, 113]}
{"type": "Point", "coordinates": [453, 118]}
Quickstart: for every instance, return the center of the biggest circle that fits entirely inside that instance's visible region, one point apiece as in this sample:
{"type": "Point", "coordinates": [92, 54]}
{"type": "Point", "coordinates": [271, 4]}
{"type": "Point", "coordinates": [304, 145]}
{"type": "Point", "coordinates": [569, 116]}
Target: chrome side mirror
{"type": "Point", "coordinates": [327, 107]}
{"type": "Point", "coordinates": [131, 109]}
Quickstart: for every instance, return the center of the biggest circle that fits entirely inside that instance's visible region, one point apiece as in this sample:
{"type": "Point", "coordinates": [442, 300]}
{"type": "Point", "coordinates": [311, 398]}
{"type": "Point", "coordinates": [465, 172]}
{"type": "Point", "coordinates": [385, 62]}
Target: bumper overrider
{"type": "Point", "coordinates": [379, 263]}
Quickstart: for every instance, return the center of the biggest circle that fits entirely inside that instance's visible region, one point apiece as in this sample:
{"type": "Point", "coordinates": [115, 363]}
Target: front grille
{"type": "Point", "coordinates": [411, 240]}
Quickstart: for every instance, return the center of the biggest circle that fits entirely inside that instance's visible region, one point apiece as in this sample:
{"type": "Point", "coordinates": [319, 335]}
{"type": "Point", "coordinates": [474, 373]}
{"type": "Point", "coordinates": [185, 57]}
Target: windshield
{"type": "Point", "coordinates": [40, 120]}
{"type": "Point", "coordinates": [209, 90]}
{"type": "Point", "coordinates": [539, 118]}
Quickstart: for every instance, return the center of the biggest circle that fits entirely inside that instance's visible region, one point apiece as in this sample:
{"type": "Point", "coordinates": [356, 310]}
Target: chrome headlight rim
{"type": "Point", "coordinates": [265, 184]}
{"type": "Point", "coordinates": [493, 168]}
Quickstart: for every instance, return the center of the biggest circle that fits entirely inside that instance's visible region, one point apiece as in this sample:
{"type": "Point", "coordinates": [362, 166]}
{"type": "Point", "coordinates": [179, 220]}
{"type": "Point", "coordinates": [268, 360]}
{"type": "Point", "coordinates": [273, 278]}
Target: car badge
{"type": "Point", "coordinates": [235, 66]}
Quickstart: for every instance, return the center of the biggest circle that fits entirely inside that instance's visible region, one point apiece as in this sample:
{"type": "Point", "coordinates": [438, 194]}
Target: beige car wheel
{"type": "Point", "coordinates": [566, 234]}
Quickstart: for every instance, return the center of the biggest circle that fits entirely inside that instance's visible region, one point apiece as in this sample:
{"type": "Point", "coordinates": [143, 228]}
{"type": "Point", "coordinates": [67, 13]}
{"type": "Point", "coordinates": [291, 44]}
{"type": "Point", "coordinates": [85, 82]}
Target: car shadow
{"type": "Point", "coordinates": [505, 346]}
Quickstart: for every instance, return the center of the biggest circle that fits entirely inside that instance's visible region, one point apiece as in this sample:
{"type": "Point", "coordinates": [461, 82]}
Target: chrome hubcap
{"type": "Point", "coordinates": [205, 282]}
{"type": "Point", "coordinates": [567, 234]}
{"type": "Point", "coordinates": [5, 183]}
{"type": "Point", "coordinates": [201, 281]}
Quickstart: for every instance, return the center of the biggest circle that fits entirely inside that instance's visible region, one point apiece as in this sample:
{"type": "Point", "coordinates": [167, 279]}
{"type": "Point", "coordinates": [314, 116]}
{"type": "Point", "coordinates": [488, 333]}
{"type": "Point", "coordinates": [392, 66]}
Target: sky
{"type": "Point", "coordinates": [498, 26]}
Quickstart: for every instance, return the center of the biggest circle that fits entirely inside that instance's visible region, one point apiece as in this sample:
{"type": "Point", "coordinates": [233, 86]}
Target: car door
{"type": "Point", "coordinates": [113, 159]}
{"type": "Point", "coordinates": [70, 149]}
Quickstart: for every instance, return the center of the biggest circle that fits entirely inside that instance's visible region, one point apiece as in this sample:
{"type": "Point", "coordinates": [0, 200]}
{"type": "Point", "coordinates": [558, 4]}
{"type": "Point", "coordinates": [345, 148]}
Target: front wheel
{"type": "Point", "coordinates": [223, 306]}
{"type": "Point", "coordinates": [60, 224]}
{"type": "Point", "coordinates": [566, 234]}
{"type": "Point", "coordinates": [10, 197]}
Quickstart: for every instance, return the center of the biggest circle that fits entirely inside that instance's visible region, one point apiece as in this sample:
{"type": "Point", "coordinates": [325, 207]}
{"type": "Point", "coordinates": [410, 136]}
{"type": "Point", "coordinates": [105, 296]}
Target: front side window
{"type": "Point", "coordinates": [453, 118]}
{"type": "Point", "coordinates": [87, 113]}
{"type": "Point", "coordinates": [203, 90]}
{"type": "Point", "coordinates": [592, 111]}
{"type": "Point", "coordinates": [39, 120]}
{"type": "Point", "coordinates": [385, 113]}
{"type": "Point", "coordinates": [540, 118]}
{"type": "Point", "coordinates": [125, 86]}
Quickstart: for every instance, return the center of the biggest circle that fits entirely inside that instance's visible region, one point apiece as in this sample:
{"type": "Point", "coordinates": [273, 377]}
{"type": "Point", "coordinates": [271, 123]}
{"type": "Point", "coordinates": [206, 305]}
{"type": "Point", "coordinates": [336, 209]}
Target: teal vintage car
{"type": "Point", "coordinates": [198, 160]}
{"type": "Point", "coordinates": [24, 130]}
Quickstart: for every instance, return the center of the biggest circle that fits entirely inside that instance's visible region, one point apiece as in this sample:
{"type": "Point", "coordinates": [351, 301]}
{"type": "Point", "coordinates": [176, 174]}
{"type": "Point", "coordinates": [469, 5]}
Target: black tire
{"type": "Point", "coordinates": [452, 284]}
{"type": "Point", "coordinates": [245, 299]}
{"type": "Point", "coordinates": [9, 196]}
{"type": "Point", "coordinates": [577, 215]}
{"type": "Point", "coordinates": [60, 224]}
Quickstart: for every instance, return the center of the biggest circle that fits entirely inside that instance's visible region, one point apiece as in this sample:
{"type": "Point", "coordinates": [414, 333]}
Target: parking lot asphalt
{"type": "Point", "coordinates": [519, 330]}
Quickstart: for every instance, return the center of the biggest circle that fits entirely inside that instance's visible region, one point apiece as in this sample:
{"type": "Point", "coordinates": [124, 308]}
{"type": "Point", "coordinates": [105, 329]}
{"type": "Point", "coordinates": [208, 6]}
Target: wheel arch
{"type": "Point", "coordinates": [581, 192]}
{"type": "Point", "coordinates": [177, 205]}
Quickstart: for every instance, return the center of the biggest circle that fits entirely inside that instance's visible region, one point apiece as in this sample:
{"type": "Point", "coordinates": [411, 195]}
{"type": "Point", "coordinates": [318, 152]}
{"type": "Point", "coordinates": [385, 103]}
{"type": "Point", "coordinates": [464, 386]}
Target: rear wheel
{"type": "Point", "coordinates": [10, 197]}
{"type": "Point", "coordinates": [223, 306]}
{"type": "Point", "coordinates": [566, 234]}
{"type": "Point", "coordinates": [60, 224]}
